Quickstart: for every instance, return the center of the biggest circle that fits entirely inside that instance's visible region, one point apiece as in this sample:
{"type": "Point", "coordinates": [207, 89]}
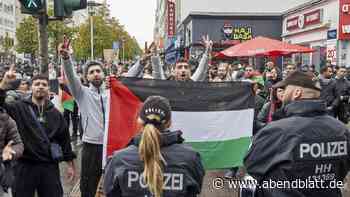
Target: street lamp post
{"type": "Point", "coordinates": [91, 5]}
{"type": "Point", "coordinates": [123, 45]}
{"type": "Point", "coordinates": [92, 36]}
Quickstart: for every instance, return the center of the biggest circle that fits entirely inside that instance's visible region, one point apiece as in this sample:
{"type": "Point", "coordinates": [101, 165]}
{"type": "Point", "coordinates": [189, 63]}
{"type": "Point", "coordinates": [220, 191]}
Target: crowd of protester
{"type": "Point", "coordinates": [334, 81]}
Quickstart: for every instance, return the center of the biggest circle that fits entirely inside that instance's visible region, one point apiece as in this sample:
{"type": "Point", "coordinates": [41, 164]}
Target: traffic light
{"type": "Point", "coordinates": [32, 7]}
{"type": "Point", "coordinates": [65, 8]}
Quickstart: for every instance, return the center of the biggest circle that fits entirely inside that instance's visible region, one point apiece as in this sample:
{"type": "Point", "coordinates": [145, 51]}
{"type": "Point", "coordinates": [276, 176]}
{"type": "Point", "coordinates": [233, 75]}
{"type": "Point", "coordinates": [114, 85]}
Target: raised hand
{"type": "Point", "coordinates": [63, 49]}
{"type": "Point", "coordinates": [207, 42]}
{"type": "Point", "coordinates": [146, 57]}
{"type": "Point", "coordinates": [108, 80]}
{"type": "Point", "coordinates": [9, 76]}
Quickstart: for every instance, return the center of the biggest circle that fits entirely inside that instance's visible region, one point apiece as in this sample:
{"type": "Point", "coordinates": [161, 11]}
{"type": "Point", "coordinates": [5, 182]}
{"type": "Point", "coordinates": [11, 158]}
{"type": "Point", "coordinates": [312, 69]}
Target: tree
{"type": "Point", "coordinates": [56, 30]}
{"type": "Point", "coordinates": [27, 36]}
{"type": "Point", "coordinates": [106, 31]}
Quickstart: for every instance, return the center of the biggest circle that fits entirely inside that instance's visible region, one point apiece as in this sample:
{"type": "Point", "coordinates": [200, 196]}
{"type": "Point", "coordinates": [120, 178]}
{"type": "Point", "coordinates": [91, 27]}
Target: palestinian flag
{"type": "Point", "coordinates": [66, 98]}
{"type": "Point", "coordinates": [216, 118]}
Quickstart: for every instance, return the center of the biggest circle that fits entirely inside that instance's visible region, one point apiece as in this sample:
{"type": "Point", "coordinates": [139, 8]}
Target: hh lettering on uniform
{"type": "Point", "coordinates": [323, 150]}
{"type": "Point", "coordinates": [172, 181]}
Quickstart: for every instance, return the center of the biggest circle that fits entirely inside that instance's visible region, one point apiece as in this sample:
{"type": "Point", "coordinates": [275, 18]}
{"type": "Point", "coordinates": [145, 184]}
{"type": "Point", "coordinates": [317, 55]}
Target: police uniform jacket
{"type": "Point", "coordinates": [183, 171]}
{"type": "Point", "coordinates": [306, 146]}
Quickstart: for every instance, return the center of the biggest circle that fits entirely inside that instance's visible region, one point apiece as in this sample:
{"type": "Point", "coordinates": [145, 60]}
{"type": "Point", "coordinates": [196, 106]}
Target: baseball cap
{"type": "Point", "coordinates": [302, 79]}
{"type": "Point", "coordinates": [156, 110]}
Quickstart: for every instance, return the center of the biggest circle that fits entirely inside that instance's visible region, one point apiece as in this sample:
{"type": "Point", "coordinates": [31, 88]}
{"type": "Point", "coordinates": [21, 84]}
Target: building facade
{"type": "Point", "coordinates": [196, 18]}
{"type": "Point", "coordinates": [160, 23]}
{"type": "Point", "coordinates": [230, 26]}
{"type": "Point", "coordinates": [7, 27]}
{"type": "Point", "coordinates": [315, 25]}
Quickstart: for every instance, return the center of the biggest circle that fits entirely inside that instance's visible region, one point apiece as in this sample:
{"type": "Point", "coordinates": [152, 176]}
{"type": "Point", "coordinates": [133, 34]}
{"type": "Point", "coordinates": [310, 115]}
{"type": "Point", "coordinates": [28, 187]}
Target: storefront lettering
{"type": "Point", "coordinates": [313, 17]}
{"type": "Point", "coordinates": [292, 23]}
{"type": "Point", "coordinates": [242, 33]}
{"type": "Point", "coordinates": [344, 20]}
{"type": "Point", "coordinates": [345, 8]}
{"type": "Point", "coordinates": [304, 20]}
{"type": "Point", "coordinates": [171, 18]}
{"type": "Point", "coordinates": [346, 29]}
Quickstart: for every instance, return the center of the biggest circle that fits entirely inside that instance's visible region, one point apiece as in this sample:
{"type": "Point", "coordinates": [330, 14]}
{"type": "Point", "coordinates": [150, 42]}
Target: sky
{"type": "Point", "coordinates": [137, 16]}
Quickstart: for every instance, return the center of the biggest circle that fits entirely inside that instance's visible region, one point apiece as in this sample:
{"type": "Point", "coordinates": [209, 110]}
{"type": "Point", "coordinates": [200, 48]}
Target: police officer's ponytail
{"type": "Point", "coordinates": [155, 114]}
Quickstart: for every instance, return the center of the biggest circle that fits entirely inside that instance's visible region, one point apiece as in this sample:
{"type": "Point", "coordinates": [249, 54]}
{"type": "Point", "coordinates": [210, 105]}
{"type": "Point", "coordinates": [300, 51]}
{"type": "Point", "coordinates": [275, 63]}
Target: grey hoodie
{"type": "Point", "coordinates": [89, 100]}
{"type": "Point", "coordinates": [92, 102]}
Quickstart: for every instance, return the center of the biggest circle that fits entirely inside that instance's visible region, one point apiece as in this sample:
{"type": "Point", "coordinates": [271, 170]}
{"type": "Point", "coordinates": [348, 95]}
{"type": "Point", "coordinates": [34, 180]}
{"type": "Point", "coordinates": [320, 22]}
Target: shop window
{"type": "Point", "coordinates": [11, 9]}
{"type": "Point", "coordinates": [305, 59]}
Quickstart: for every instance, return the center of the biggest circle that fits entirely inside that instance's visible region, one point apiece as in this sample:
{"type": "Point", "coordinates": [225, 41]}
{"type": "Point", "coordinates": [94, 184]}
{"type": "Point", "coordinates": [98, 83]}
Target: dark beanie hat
{"type": "Point", "coordinates": [15, 84]}
{"type": "Point", "coordinates": [156, 110]}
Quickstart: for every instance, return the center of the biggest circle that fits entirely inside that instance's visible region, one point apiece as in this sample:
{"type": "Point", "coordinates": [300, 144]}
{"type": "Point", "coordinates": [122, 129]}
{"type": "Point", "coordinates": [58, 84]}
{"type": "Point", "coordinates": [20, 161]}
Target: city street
{"type": "Point", "coordinates": [176, 93]}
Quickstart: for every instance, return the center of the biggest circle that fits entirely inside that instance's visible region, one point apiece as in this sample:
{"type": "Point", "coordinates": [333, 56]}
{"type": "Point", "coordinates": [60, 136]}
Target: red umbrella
{"type": "Point", "coordinates": [262, 46]}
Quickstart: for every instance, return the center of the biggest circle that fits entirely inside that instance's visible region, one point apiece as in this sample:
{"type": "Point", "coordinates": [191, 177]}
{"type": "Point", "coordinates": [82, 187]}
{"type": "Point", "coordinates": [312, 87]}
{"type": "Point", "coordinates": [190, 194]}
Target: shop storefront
{"type": "Point", "coordinates": [227, 29]}
{"type": "Point", "coordinates": [314, 25]}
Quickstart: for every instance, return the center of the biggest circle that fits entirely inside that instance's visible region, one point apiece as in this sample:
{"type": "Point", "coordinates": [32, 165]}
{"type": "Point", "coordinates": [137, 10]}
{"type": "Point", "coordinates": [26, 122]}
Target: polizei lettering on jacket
{"type": "Point", "coordinates": [172, 181]}
{"type": "Point", "coordinates": [323, 149]}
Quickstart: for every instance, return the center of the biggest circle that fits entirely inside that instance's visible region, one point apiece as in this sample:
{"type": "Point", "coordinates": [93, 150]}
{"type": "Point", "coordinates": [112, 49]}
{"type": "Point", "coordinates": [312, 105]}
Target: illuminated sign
{"type": "Point", "coordinates": [242, 33]}
{"type": "Point", "coordinates": [304, 20]}
{"type": "Point", "coordinates": [171, 18]}
{"type": "Point", "coordinates": [344, 20]}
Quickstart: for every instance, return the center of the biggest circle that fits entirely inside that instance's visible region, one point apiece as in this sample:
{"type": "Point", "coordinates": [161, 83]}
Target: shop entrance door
{"type": "Point", "coordinates": [319, 57]}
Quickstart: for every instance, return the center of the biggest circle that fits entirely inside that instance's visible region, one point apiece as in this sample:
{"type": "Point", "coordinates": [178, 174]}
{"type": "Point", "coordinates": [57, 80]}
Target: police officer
{"type": "Point", "coordinates": [156, 163]}
{"type": "Point", "coordinates": [307, 150]}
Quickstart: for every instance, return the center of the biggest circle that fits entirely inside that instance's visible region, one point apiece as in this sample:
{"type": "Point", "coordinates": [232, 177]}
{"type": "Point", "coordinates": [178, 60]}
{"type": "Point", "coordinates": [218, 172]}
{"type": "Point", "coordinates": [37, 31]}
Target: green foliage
{"type": "Point", "coordinates": [56, 30]}
{"type": "Point", "coordinates": [106, 31]}
{"type": "Point", "coordinates": [27, 36]}
{"type": "Point", "coordinates": [7, 43]}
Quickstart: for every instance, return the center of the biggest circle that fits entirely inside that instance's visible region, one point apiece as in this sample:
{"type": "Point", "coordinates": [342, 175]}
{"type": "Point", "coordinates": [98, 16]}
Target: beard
{"type": "Point", "coordinates": [96, 82]}
{"type": "Point", "coordinates": [222, 76]}
{"type": "Point", "coordinates": [40, 96]}
{"type": "Point", "coordinates": [183, 77]}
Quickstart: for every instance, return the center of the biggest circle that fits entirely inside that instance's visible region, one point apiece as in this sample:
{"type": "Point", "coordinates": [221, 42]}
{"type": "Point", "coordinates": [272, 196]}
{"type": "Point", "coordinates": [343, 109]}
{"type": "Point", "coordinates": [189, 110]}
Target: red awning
{"type": "Point", "coordinates": [262, 46]}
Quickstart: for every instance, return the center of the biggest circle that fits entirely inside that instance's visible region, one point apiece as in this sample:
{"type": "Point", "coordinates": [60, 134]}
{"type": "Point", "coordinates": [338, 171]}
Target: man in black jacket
{"type": "Point", "coordinates": [342, 88]}
{"type": "Point", "coordinates": [306, 152]}
{"type": "Point", "coordinates": [328, 90]}
{"type": "Point", "coordinates": [37, 170]}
